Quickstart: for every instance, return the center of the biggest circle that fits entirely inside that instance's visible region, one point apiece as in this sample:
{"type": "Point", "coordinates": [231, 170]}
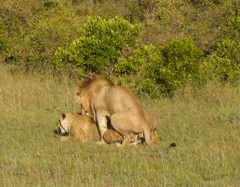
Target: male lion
{"type": "Point", "coordinates": [102, 99]}
{"type": "Point", "coordinates": [82, 128]}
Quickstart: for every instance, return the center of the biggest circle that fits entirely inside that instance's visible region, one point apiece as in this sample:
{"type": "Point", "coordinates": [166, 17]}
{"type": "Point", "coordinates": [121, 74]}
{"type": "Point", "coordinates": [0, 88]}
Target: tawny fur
{"type": "Point", "coordinates": [111, 136]}
{"type": "Point", "coordinates": [102, 99]}
{"type": "Point", "coordinates": [82, 128]}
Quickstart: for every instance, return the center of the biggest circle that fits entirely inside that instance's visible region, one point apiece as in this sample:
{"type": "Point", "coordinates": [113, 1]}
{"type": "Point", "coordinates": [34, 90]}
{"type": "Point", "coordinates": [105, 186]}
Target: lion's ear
{"type": "Point", "coordinates": [62, 116]}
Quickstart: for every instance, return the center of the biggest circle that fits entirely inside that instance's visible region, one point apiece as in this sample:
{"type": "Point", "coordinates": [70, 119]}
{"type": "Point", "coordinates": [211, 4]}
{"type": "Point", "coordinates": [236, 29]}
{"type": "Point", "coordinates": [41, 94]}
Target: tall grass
{"type": "Point", "coordinates": [204, 124]}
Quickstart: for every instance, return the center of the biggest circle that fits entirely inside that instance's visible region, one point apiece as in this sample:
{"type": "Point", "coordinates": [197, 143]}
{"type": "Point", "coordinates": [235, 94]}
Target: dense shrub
{"type": "Point", "coordinates": [179, 62]}
{"type": "Point", "coordinates": [235, 25]}
{"type": "Point", "coordinates": [225, 60]}
{"type": "Point", "coordinates": [110, 47]}
{"type": "Point", "coordinates": [225, 56]}
{"type": "Point", "coordinates": [172, 44]}
{"type": "Point", "coordinates": [102, 45]}
{"type": "Point", "coordinates": [34, 31]}
{"type": "Point", "coordinates": [2, 43]}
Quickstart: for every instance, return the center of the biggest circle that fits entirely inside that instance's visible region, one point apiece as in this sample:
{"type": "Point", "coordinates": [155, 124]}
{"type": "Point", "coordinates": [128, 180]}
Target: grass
{"type": "Point", "coordinates": [204, 124]}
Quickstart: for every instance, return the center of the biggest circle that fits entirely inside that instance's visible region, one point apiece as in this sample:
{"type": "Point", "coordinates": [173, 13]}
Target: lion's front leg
{"type": "Point", "coordinates": [102, 123]}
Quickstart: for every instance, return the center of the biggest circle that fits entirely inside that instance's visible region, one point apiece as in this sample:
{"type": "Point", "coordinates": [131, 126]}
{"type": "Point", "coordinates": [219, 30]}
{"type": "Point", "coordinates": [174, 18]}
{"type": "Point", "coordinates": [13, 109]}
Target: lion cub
{"type": "Point", "coordinates": [82, 128]}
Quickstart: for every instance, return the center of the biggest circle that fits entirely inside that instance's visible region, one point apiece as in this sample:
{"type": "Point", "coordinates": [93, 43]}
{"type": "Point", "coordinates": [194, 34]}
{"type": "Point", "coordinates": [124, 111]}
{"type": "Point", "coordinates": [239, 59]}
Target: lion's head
{"type": "Point", "coordinates": [63, 123]}
{"type": "Point", "coordinates": [86, 90]}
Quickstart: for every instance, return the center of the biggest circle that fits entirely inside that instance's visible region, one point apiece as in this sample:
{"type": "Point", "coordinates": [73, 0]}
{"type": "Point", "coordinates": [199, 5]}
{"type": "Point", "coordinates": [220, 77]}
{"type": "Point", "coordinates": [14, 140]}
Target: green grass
{"type": "Point", "coordinates": [204, 125]}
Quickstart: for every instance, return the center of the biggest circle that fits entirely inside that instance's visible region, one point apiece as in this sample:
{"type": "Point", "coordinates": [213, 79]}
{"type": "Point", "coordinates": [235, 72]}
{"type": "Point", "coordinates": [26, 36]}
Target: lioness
{"type": "Point", "coordinates": [82, 128]}
{"type": "Point", "coordinates": [102, 99]}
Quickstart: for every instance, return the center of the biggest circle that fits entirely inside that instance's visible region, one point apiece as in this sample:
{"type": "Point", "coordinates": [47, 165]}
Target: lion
{"type": "Point", "coordinates": [101, 98]}
{"type": "Point", "coordinates": [82, 128]}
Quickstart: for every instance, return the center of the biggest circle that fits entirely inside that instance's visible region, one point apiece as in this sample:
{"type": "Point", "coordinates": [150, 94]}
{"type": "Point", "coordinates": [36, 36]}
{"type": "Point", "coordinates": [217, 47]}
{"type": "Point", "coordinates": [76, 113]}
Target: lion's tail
{"type": "Point", "coordinates": [148, 140]}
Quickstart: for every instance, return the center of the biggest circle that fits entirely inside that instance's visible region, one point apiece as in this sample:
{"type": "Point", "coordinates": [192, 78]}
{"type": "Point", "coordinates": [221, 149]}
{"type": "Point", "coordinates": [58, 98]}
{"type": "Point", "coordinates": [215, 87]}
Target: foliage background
{"type": "Point", "coordinates": [150, 46]}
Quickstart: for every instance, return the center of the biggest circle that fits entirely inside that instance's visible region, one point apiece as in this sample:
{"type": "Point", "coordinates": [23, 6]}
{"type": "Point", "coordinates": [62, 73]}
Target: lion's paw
{"type": "Point", "coordinates": [119, 145]}
{"type": "Point", "coordinates": [63, 138]}
{"type": "Point", "coordinates": [134, 143]}
{"type": "Point", "coordinates": [100, 143]}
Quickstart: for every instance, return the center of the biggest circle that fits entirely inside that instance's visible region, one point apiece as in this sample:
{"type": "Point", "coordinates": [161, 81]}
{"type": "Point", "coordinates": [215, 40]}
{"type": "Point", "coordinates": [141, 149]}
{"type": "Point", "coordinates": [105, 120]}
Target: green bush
{"type": "Point", "coordinates": [101, 46]}
{"type": "Point", "coordinates": [38, 35]}
{"type": "Point", "coordinates": [34, 31]}
{"type": "Point", "coordinates": [179, 62]}
{"type": "Point", "coordinates": [110, 47]}
{"type": "Point", "coordinates": [136, 69]}
{"type": "Point", "coordinates": [235, 25]}
{"type": "Point", "coordinates": [225, 60]}
{"type": "Point", "coordinates": [2, 42]}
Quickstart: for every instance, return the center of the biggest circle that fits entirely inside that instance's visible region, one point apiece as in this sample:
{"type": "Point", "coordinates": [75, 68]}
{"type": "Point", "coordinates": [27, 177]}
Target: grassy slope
{"type": "Point", "coordinates": [205, 126]}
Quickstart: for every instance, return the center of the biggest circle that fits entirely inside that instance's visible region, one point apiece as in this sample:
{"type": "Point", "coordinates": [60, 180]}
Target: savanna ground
{"type": "Point", "coordinates": [204, 124]}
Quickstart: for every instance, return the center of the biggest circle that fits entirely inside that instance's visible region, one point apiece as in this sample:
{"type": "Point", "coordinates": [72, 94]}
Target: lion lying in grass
{"type": "Point", "coordinates": [82, 128]}
{"type": "Point", "coordinates": [102, 99]}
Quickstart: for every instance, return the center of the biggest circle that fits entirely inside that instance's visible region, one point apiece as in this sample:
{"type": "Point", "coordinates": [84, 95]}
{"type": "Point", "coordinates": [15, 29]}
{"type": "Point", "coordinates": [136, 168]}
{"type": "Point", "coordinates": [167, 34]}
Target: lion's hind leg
{"type": "Point", "coordinates": [135, 140]}
{"type": "Point", "coordinates": [126, 140]}
{"type": "Point", "coordinates": [148, 140]}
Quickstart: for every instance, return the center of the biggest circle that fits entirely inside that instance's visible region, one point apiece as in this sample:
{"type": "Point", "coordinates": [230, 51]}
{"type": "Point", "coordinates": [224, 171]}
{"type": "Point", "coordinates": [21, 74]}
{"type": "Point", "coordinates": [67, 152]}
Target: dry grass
{"type": "Point", "coordinates": [204, 124]}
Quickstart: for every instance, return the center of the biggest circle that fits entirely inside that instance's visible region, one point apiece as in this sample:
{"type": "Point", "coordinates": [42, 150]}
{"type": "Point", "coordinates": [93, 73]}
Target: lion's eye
{"type": "Point", "coordinates": [78, 94]}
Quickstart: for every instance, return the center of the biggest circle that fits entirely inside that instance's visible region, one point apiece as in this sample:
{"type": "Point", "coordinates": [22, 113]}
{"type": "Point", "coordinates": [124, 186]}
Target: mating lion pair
{"type": "Point", "coordinates": [103, 100]}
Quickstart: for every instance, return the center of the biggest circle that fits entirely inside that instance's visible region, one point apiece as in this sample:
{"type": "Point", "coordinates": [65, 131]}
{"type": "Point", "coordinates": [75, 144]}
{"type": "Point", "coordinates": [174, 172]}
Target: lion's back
{"type": "Point", "coordinates": [84, 129]}
{"type": "Point", "coordinates": [120, 99]}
